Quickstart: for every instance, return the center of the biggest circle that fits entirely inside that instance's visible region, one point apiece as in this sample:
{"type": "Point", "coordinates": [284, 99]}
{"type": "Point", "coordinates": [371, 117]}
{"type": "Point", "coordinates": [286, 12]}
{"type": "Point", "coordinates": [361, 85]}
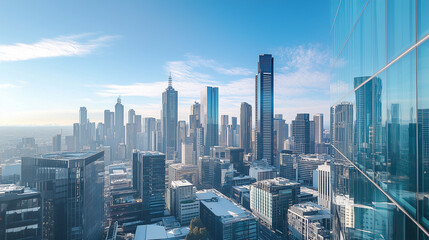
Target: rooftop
{"type": "Point", "coordinates": [278, 181]}
{"type": "Point", "coordinates": [148, 232]}
{"type": "Point", "coordinates": [67, 155]}
{"type": "Point", "coordinates": [181, 183]}
{"type": "Point", "coordinates": [222, 207]}
{"type": "Point", "coordinates": [310, 211]}
{"type": "Point", "coordinates": [150, 153]}
{"type": "Point", "coordinates": [14, 189]}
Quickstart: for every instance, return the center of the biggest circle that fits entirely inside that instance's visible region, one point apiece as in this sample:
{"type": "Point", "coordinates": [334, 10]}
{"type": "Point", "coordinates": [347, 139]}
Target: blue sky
{"type": "Point", "coordinates": [56, 56]}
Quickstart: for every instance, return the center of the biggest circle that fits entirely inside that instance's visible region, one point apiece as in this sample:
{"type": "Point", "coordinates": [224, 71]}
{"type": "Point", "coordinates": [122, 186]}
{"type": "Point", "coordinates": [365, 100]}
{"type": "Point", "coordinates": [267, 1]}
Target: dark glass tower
{"type": "Point", "coordinates": [301, 133]}
{"type": "Point", "coordinates": [169, 120]}
{"type": "Point", "coordinates": [246, 127]}
{"type": "Point", "coordinates": [210, 117]}
{"type": "Point", "coordinates": [119, 122]}
{"type": "Point", "coordinates": [72, 188]}
{"type": "Point", "coordinates": [265, 108]}
{"type": "Point", "coordinates": [149, 182]}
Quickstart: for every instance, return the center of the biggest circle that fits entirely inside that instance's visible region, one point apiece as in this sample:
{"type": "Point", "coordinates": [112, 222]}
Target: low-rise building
{"type": "Point", "coordinates": [182, 202]}
{"type": "Point", "coordinates": [225, 219]}
{"type": "Point", "coordinates": [309, 221]}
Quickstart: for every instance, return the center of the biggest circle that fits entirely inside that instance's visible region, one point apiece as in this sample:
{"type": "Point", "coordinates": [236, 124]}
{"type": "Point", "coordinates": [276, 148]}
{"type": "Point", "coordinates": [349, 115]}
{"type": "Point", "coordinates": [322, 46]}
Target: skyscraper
{"type": "Point", "coordinates": [279, 129]}
{"type": "Point", "coordinates": [149, 182]}
{"type": "Point", "coordinates": [169, 120]}
{"type": "Point", "coordinates": [301, 133]}
{"type": "Point", "coordinates": [72, 189]}
{"type": "Point", "coordinates": [246, 127]}
{"type": "Point", "coordinates": [224, 121]}
{"type": "Point", "coordinates": [56, 143]}
{"type": "Point", "coordinates": [378, 90]}
{"type": "Point", "coordinates": [318, 128]}
{"type": "Point", "coordinates": [83, 127]}
{"type": "Point", "coordinates": [210, 117]}
{"type": "Point", "coordinates": [119, 123]}
{"type": "Point", "coordinates": [265, 108]}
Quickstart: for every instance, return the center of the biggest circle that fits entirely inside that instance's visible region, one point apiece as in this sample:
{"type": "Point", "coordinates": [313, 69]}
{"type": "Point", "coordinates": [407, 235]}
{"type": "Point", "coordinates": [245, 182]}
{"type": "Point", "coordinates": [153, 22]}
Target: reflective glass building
{"type": "Point", "coordinates": [72, 189]}
{"type": "Point", "coordinates": [380, 119]}
{"type": "Point", "coordinates": [169, 120]}
{"type": "Point", "coordinates": [210, 117]}
{"type": "Point", "coordinates": [264, 98]}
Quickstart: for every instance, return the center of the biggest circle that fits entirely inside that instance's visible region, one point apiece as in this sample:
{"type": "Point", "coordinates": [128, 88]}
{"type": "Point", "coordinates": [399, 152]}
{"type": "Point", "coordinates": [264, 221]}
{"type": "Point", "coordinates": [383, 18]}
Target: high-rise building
{"type": "Point", "coordinates": [309, 221]}
{"type": "Point", "coordinates": [180, 171]}
{"type": "Point", "coordinates": [270, 200]}
{"type": "Point", "coordinates": [76, 136]}
{"type": "Point", "coordinates": [21, 213]}
{"type": "Point", "coordinates": [210, 117]}
{"type": "Point", "coordinates": [318, 128]}
{"type": "Point", "coordinates": [225, 219]}
{"type": "Point", "coordinates": [287, 166]}
{"type": "Point", "coordinates": [264, 103]}
{"type": "Point", "coordinates": [224, 121]}
{"type": "Point", "coordinates": [380, 180]}
{"type": "Point", "coordinates": [182, 133]}
{"type": "Point", "coordinates": [279, 133]}
{"type": "Point", "coordinates": [246, 127]}
{"type": "Point", "coordinates": [72, 189]}
{"type": "Point", "coordinates": [83, 127]}
{"type": "Point", "coordinates": [169, 120]}
{"type": "Point", "coordinates": [56, 143]}
{"type": "Point", "coordinates": [324, 185]}
{"type": "Point", "coordinates": [147, 139]}
{"type": "Point", "coordinates": [149, 182]}
{"type": "Point", "coordinates": [119, 122]}
{"type": "Point", "coordinates": [301, 133]}
{"type": "Point", "coordinates": [187, 152]}
{"type": "Point", "coordinates": [206, 171]}
{"type": "Point", "coordinates": [182, 201]}
{"type": "Point", "coordinates": [235, 156]}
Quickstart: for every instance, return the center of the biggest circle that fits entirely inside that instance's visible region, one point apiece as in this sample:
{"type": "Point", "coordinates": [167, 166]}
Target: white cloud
{"type": "Point", "coordinates": [72, 45]}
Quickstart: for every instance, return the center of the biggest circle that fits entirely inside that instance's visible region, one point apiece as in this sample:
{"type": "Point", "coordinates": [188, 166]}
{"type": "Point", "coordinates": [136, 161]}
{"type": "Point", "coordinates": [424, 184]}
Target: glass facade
{"type": "Point", "coordinates": [380, 119]}
{"type": "Point", "coordinates": [264, 99]}
{"type": "Point", "coordinates": [210, 117]}
{"type": "Point", "coordinates": [169, 120]}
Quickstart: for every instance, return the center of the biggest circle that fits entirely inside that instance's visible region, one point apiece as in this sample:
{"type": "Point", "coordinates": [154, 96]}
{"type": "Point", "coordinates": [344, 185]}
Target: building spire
{"type": "Point", "coordinates": [170, 81]}
{"type": "Point", "coordinates": [119, 99]}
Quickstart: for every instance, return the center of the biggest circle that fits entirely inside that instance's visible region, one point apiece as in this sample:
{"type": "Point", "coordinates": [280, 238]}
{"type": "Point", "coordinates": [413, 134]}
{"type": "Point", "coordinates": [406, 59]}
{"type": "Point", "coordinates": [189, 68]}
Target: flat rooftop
{"type": "Point", "coordinates": [150, 153]}
{"type": "Point", "coordinates": [181, 183]}
{"type": "Point", "coordinates": [221, 206]}
{"type": "Point", "coordinates": [14, 189]}
{"type": "Point", "coordinates": [67, 155]}
{"type": "Point", "coordinates": [152, 232]}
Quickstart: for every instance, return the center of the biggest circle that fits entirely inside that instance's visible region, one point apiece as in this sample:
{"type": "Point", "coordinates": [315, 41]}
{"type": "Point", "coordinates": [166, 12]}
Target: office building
{"type": "Point", "coordinates": [119, 123]}
{"type": "Point", "coordinates": [187, 152]}
{"type": "Point", "coordinates": [56, 143]}
{"type": "Point", "coordinates": [210, 117]}
{"type": "Point", "coordinates": [182, 202]}
{"type": "Point", "coordinates": [72, 189]}
{"type": "Point", "coordinates": [235, 156]}
{"type": "Point", "coordinates": [288, 166]}
{"type": "Point", "coordinates": [206, 171]}
{"type": "Point", "coordinates": [218, 152]}
{"type": "Point", "coordinates": [381, 166]}
{"type": "Point", "coordinates": [264, 106]}
{"type": "Point", "coordinates": [270, 200]}
{"type": "Point", "coordinates": [307, 164]}
{"type": "Point", "coordinates": [301, 134]}
{"type": "Point", "coordinates": [147, 139]}
{"type": "Point", "coordinates": [246, 127]}
{"type": "Point", "coordinates": [324, 185]}
{"type": "Point", "coordinates": [309, 221]}
{"type": "Point", "coordinates": [261, 170]}
{"type": "Point", "coordinates": [156, 232]}
{"type": "Point", "coordinates": [318, 131]}
{"type": "Point", "coordinates": [180, 171]}
{"type": "Point", "coordinates": [182, 133]}
{"type": "Point", "coordinates": [169, 120]}
{"type": "Point", "coordinates": [224, 122]}
{"type": "Point", "coordinates": [279, 133]}
{"type": "Point", "coordinates": [225, 219]}
{"type": "Point", "coordinates": [20, 213]}
{"type": "Point", "coordinates": [149, 182]}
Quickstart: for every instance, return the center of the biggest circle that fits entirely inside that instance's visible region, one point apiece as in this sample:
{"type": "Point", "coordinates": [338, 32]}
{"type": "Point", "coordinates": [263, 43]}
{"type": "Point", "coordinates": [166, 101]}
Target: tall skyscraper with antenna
{"type": "Point", "coordinates": [169, 119]}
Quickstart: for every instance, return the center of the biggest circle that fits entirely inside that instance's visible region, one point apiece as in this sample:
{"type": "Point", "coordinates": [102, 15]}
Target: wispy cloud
{"type": "Point", "coordinates": [8, 85]}
{"type": "Point", "coordinates": [71, 45]}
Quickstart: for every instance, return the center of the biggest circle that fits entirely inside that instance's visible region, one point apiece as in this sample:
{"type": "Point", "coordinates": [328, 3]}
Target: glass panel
{"type": "Point", "coordinates": [401, 130]}
{"type": "Point", "coordinates": [401, 26]}
{"type": "Point", "coordinates": [423, 131]}
{"type": "Point", "coordinates": [422, 18]}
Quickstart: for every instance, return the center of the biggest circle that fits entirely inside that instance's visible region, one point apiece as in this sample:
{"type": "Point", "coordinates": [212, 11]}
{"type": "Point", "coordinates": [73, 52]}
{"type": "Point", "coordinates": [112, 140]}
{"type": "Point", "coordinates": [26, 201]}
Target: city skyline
{"type": "Point", "coordinates": [92, 65]}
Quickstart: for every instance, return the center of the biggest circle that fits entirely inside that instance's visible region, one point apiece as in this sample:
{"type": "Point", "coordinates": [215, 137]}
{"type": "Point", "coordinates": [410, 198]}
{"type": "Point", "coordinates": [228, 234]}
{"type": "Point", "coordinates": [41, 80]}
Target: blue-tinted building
{"type": "Point", "coordinates": [169, 120]}
{"type": "Point", "coordinates": [380, 111]}
{"type": "Point", "coordinates": [72, 188]}
{"type": "Point", "coordinates": [210, 117]}
{"type": "Point", "coordinates": [264, 103]}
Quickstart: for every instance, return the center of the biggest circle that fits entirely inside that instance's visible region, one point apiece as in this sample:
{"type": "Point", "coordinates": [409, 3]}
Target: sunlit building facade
{"type": "Point", "coordinates": [380, 111]}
